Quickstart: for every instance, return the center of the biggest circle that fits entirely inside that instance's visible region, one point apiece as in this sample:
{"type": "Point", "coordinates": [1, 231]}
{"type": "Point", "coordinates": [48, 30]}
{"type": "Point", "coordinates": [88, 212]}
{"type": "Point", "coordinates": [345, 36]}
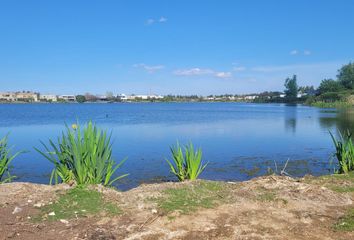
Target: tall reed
{"type": "Point", "coordinates": [5, 159]}
{"type": "Point", "coordinates": [344, 151]}
{"type": "Point", "coordinates": [186, 166]}
{"type": "Point", "coordinates": [83, 156]}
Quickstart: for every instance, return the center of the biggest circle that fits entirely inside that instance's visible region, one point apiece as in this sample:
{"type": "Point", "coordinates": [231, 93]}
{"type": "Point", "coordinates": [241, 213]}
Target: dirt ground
{"type": "Point", "coordinates": [271, 207]}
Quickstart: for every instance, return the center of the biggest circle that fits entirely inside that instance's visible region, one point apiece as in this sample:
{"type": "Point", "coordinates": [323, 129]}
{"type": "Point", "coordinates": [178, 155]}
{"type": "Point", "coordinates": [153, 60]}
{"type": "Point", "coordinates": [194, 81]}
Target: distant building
{"type": "Point", "coordinates": [27, 96]}
{"type": "Point", "coordinates": [68, 98]}
{"type": "Point", "coordinates": [251, 97]}
{"type": "Point", "coordinates": [122, 97]}
{"type": "Point", "coordinates": [8, 96]}
{"type": "Point", "coordinates": [48, 97]}
{"type": "Point", "coordinates": [282, 95]}
{"type": "Point", "coordinates": [101, 97]}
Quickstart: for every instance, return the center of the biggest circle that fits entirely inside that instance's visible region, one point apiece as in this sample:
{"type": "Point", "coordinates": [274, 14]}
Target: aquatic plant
{"type": "Point", "coordinates": [83, 156]}
{"type": "Point", "coordinates": [186, 166]}
{"type": "Point", "coordinates": [344, 151]}
{"type": "Point", "coordinates": [5, 160]}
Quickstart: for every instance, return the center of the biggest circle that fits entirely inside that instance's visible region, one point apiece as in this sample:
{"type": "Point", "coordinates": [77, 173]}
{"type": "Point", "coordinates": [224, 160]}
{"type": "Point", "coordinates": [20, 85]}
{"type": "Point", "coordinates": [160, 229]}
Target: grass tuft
{"type": "Point", "coordinates": [78, 202]}
{"type": "Point", "coordinates": [190, 198]}
{"type": "Point", "coordinates": [346, 223]}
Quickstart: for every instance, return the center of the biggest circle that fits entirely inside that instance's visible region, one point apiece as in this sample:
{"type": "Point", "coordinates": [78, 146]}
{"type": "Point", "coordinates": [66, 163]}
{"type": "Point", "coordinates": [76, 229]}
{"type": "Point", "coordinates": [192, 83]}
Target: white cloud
{"type": "Point", "coordinates": [223, 74]}
{"type": "Point", "coordinates": [238, 69]}
{"type": "Point", "coordinates": [150, 21]}
{"type": "Point", "coordinates": [193, 72]}
{"type": "Point", "coordinates": [307, 52]}
{"type": "Point", "coordinates": [149, 69]}
{"type": "Point", "coordinates": [162, 19]}
{"type": "Point", "coordinates": [294, 52]}
{"type": "Point", "coordinates": [202, 71]}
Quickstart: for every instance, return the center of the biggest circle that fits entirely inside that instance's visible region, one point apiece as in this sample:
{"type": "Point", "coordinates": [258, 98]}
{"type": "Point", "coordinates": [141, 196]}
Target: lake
{"type": "Point", "coordinates": [239, 140]}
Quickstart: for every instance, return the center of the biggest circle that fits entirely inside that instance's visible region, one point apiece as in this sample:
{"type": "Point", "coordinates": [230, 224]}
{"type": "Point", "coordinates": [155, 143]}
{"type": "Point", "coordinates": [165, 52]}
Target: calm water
{"type": "Point", "coordinates": [239, 140]}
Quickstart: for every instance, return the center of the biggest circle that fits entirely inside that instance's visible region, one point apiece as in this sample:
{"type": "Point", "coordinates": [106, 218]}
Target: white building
{"type": "Point", "coordinates": [122, 97]}
{"type": "Point", "coordinates": [8, 96]}
{"type": "Point", "coordinates": [48, 97]}
{"type": "Point", "coordinates": [68, 98]}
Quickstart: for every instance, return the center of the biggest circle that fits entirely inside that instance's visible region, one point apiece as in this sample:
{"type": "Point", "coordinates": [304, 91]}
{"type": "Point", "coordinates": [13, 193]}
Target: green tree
{"type": "Point", "coordinates": [346, 76]}
{"type": "Point", "coordinates": [291, 87]}
{"type": "Point", "coordinates": [329, 85]}
{"type": "Point", "coordinates": [80, 98]}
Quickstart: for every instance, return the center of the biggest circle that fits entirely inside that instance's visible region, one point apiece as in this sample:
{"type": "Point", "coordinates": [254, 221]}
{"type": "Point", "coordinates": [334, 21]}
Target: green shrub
{"type": "Point", "coordinates": [5, 160]}
{"type": "Point", "coordinates": [83, 156]}
{"type": "Point", "coordinates": [186, 166]}
{"type": "Point", "coordinates": [344, 151]}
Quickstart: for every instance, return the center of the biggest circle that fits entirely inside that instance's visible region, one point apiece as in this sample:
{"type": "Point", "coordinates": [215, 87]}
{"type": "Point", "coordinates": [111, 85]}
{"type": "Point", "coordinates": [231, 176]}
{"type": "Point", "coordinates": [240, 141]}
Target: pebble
{"type": "Point", "coordinates": [51, 214]}
{"type": "Point", "coordinates": [64, 221]}
{"type": "Point", "coordinates": [17, 210]}
{"type": "Point", "coordinates": [154, 211]}
{"type": "Point", "coordinates": [37, 205]}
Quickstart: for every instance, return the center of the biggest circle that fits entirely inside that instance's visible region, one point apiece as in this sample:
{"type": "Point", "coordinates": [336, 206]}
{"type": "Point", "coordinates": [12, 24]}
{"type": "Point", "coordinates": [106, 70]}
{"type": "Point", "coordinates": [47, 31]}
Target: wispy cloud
{"type": "Point", "coordinates": [294, 52]}
{"type": "Point", "coordinates": [193, 72]}
{"type": "Point", "coordinates": [162, 19]}
{"type": "Point", "coordinates": [202, 71]}
{"type": "Point", "coordinates": [307, 52]}
{"type": "Point", "coordinates": [223, 74]}
{"type": "Point", "coordinates": [238, 69]}
{"type": "Point", "coordinates": [152, 21]}
{"type": "Point", "coordinates": [297, 52]}
{"type": "Point", "coordinates": [148, 68]}
{"type": "Point", "coordinates": [149, 21]}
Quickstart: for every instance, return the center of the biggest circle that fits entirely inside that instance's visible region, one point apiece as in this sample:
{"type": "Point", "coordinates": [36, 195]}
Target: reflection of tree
{"type": "Point", "coordinates": [343, 120]}
{"type": "Point", "coordinates": [290, 117]}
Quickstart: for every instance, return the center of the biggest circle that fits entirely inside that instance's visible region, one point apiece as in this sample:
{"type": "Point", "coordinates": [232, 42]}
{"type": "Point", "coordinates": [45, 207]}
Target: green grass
{"type": "Point", "coordinates": [336, 104]}
{"type": "Point", "coordinates": [83, 156]}
{"type": "Point", "coordinates": [190, 198]}
{"type": "Point", "coordinates": [346, 223]}
{"type": "Point", "coordinates": [5, 160]}
{"type": "Point", "coordinates": [78, 202]}
{"type": "Point", "coordinates": [187, 166]}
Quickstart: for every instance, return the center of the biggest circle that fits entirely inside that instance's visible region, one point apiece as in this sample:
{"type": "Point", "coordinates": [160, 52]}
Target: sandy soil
{"type": "Point", "coordinates": [300, 210]}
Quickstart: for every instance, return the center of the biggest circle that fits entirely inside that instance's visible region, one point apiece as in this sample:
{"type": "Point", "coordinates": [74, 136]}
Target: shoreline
{"type": "Point", "coordinates": [269, 207]}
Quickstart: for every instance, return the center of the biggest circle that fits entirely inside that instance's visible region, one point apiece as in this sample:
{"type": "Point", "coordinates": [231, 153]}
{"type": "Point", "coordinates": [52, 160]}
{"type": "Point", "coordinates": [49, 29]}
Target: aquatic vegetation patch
{"type": "Point", "coordinates": [190, 198]}
{"type": "Point", "coordinates": [187, 165]}
{"type": "Point", "coordinates": [5, 160]}
{"type": "Point", "coordinates": [82, 156]}
{"type": "Point", "coordinates": [78, 202]}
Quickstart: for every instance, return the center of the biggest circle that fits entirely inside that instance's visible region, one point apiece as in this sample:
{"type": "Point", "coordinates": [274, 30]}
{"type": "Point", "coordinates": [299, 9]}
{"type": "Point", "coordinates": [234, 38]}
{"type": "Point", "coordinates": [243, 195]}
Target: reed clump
{"type": "Point", "coordinates": [187, 165]}
{"type": "Point", "coordinates": [344, 151]}
{"type": "Point", "coordinates": [82, 155]}
{"type": "Point", "coordinates": [5, 159]}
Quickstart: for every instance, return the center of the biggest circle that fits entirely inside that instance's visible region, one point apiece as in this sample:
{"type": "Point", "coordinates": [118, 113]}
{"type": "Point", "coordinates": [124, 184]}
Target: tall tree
{"type": "Point", "coordinates": [291, 88]}
{"type": "Point", "coordinates": [329, 85]}
{"type": "Point", "coordinates": [346, 75]}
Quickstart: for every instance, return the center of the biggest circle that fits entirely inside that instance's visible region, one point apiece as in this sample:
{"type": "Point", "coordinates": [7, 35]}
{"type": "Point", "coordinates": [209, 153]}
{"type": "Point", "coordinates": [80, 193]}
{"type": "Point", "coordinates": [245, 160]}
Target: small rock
{"type": "Point", "coordinates": [37, 205]}
{"type": "Point", "coordinates": [64, 221]}
{"type": "Point", "coordinates": [154, 211]}
{"type": "Point", "coordinates": [51, 214]}
{"type": "Point", "coordinates": [17, 210]}
{"type": "Point", "coordinates": [29, 200]}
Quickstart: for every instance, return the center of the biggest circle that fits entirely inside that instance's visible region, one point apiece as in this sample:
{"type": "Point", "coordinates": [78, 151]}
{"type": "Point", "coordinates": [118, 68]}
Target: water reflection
{"type": "Point", "coordinates": [290, 118]}
{"type": "Point", "coordinates": [337, 120]}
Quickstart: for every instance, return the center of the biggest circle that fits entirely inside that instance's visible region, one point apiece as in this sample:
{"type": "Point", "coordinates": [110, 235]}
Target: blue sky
{"type": "Point", "coordinates": [172, 46]}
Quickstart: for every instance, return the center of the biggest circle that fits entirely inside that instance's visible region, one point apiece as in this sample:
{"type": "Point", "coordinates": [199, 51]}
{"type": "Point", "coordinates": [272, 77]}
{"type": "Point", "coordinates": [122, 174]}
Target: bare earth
{"type": "Point", "coordinates": [297, 209]}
